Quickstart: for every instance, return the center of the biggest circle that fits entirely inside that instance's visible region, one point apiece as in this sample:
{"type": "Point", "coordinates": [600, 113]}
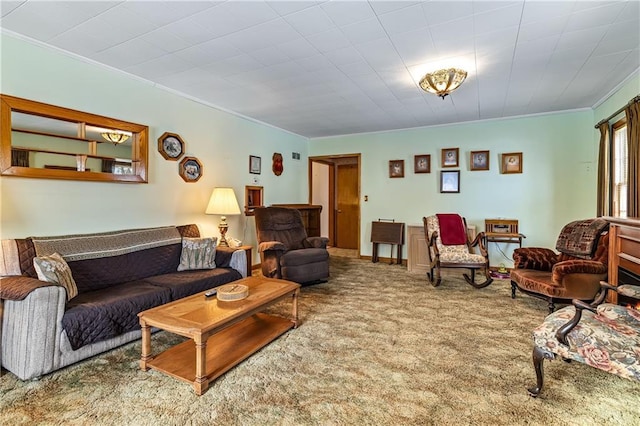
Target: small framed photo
{"type": "Point", "coordinates": [396, 168]}
{"type": "Point", "coordinates": [422, 163]}
{"type": "Point", "coordinates": [170, 146]}
{"type": "Point", "coordinates": [512, 162]}
{"type": "Point", "coordinates": [450, 157]}
{"type": "Point", "coordinates": [479, 160]}
{"type": "Point", "coordinates": [255, 165]}
{"type": "Point", "coordinates": [190, 169]}
{"type": "Point", "coordinates": [450, 181]}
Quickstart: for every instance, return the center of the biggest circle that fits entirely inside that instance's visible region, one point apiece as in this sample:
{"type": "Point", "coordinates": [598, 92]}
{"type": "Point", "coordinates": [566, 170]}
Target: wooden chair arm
{"type": "Point", "coordinates": [562, 332]}
{"type": "Point", "coordinates": [432, 243]}
{"type": "Point", "coordinates": [479, 241]}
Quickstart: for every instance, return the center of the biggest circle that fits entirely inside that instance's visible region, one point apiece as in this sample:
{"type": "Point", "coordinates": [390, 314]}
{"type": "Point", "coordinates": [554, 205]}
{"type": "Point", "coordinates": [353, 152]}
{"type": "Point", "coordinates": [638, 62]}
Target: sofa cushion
{"type": "Point", "coordinates": [96, 274]}
{"type": "Point", "coordinates": [54, 269]}
{"type": "Point", "coordinates": [102, 314]}
{"type": "Point", "coordinates": [186, 283]}
{"type": "Point", "coordinates": [198, 253]}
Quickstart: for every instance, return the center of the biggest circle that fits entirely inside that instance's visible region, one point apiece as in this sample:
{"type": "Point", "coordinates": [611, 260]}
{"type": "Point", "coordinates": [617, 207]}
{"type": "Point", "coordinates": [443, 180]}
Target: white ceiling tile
{"type": "Point", "coordinates": [159, 67]}
{"type": "Point", "coordinates": [285, 7]}
{"type": "Point", "coordinates": [382, 7]}
{"type": "Point", "coordinates": [619, 38]}
{"type": "Point", "coordinates": [348, 12]}
{"type": "Point", "coordinates": [594, 17]}
{"type": "Point", "coordinates": [542, 29]}
{"type": "Point", "coordinates": [263, 35]}
{"type": "Point", "coordinates": [414, 47]}
{"type": "Point", "coordinates": [329, 40]}
{"type": "Point", "coordinates": [298, 48]}
{"type": "Point", "coordinates": [631, 12]}
{"type": "Point", "coordinates": [232, 66]}
{"type": "Point", "coordinates": [496, 19]}
{"type": "Point", "coordinates": [406, 19]}
{"type": "Point", "coordinates": [438, 13]}
{"type": "Point", "coordinates": [80, 43]}
{"type": "Point", "coordinates": [129, 53]}
{"type": "Point", "coordinates": [381, 55]}
{"type": "Point", "coordinates": [538, 47]}
{"type": "Point", "coordinates": [117, 24]}
{"type": "Point", "coordinates": [7, 6]}
{"type": "Point", "coordinates": [165, 39]}
{"type": "Point", "coordinates": [356, 69]}
{"type": "Point", "coordinates": [315, 62]}
{"type": "Point", "coordinates": [310, 21]}
{"type": "Point", "coordinates": [540, 11]}
{"type": "Point", "coordinates": [191, 31]}
{"type": "Point", "coordinates": [458, 29]}
{"type": "Point", "coordinates": [164, 12]}
{"type": "Point", "coordinates": [46, 19]}
{"type": "Point", "coordinates": [345, 55]}
{"type": "Point", "coordinates": [270, 56]}
{"type": "Point", "coordinates": [364, 31]}
{"type": "Point", "coordinates": [570, 39]}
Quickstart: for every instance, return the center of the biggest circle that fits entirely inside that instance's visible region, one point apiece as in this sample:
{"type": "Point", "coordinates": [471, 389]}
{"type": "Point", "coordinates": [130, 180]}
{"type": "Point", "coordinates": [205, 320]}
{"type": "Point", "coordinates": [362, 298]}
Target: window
{"type": "Point", "coordinates": [620, 166]}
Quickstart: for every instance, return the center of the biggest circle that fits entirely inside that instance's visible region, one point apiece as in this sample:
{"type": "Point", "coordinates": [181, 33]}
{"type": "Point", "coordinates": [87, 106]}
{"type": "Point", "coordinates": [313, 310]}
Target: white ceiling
{"type": "Point", "coordinates": [320, 68]}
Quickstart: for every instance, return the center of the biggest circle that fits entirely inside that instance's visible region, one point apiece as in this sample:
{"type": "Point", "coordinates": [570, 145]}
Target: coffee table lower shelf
{"type": "Point", "coordinates": [224, 350]}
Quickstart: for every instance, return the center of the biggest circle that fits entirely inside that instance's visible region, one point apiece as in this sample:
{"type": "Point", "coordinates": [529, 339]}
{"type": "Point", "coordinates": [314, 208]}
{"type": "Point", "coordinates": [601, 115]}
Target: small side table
{"type": "Point", "coordinates": [247, 250]}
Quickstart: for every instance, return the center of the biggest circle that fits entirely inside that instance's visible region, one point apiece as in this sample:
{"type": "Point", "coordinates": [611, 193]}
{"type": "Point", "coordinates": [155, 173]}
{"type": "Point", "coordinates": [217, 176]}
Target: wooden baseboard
{"type": "Point", "coordinates": [387, 260]}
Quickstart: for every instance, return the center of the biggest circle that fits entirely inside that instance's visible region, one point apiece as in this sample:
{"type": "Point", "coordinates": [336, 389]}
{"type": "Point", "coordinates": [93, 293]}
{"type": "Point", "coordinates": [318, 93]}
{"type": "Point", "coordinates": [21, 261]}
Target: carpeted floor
{"type": "Point", "coordinates": [376, 346]}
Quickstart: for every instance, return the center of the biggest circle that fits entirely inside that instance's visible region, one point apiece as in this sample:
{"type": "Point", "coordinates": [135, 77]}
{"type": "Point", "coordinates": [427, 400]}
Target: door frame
{"type": "Point", "coordinates": [332, 161]}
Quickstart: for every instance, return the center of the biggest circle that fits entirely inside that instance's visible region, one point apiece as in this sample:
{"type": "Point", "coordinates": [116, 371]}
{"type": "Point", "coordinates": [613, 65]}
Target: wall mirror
{"type": "Point", "coordinates": [45, 141]}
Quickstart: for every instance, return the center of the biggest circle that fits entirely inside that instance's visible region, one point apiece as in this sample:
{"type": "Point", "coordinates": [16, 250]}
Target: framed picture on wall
{"type": "Point", "coordinates": [450, 181]}
{"type": "Point", "coordinates": [450, 157]}
{"type": "Point", "coordinates": [170, 146]}
{"type": "Point", "coordinates": [512, 162]}
{"type": "Point", "coordinates": [190, 169]}
{"type": "Point", "coordinates": [255, 165]}
{"type": "Point", "coordinates": [422, 163]}
{"type": "Point", "coordinates": [479, 160]}
{"type": "Point", "coordinates": [396, 168]}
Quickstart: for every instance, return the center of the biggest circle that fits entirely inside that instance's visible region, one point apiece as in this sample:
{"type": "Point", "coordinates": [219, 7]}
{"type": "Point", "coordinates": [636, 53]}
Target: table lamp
{"type": "Point", "coordinates": [223, 202]}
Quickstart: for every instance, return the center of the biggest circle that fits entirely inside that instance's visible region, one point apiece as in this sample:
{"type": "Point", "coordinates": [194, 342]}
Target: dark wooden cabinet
{"type": "Point", "coordinates": [310, 216]}
{"type": "Point", "coordinates": [624, 252]}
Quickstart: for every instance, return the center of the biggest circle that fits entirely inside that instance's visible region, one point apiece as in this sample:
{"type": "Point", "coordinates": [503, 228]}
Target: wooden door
{"type": "Point", "coordinates": [347, 206]}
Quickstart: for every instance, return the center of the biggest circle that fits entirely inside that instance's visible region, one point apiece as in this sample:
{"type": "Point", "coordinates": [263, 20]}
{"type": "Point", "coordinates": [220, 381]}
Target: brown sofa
{"type": "Point", "coordinates": [573, 273]}
{"type": "Point", "coordinates": [117, 275]}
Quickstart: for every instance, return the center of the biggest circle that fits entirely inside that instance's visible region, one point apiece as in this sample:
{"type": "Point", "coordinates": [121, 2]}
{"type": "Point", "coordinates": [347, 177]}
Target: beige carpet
{"type": "Point", "coordinates": [376, 346]}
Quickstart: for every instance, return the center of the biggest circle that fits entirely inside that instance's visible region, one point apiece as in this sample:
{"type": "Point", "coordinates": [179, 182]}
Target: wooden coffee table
{"type": "Point", "coordinates": [223, 333]}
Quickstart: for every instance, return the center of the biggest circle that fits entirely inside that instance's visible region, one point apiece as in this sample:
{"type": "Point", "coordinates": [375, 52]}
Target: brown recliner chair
{"type": "Point", "coordinates": [285, 250]}
{"type": "Point", "coordinates": [574, 273]}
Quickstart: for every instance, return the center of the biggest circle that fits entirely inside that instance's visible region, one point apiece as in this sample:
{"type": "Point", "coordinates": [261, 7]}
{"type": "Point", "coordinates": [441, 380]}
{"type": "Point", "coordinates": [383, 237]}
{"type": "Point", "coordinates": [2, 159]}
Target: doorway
{"type": "Point", "coordinates": [334, 183]}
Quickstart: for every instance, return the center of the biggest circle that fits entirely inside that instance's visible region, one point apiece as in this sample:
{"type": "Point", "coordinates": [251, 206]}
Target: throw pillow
{"type": "Point", "coordinates": [54, 269]}
{"type": "Point", "coordinates": [198, 253]}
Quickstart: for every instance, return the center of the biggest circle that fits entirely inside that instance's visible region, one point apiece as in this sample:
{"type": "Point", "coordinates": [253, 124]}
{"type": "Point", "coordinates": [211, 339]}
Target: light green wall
{"type": "Point", "coordinates": [617, 100]}
{"type": "Point", "coordinates": [556, 186]}
{"type": "Point", "coordinates": [221, 141]}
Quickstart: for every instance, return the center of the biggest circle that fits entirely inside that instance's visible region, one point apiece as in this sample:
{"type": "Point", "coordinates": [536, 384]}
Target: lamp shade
{"type": "Point", "coordinates": [223, 202]}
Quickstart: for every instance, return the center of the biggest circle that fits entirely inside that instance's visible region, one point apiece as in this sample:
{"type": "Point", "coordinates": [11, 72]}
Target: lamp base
{"type": "Point", "coordinates": [222, 227]}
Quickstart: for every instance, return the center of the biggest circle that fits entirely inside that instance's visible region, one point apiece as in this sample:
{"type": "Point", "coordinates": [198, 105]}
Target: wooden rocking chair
{"type": "Point", "coordinates": [455, 255]}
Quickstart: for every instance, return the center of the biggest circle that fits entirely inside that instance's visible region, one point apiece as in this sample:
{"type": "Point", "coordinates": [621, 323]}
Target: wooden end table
{"type": "Point", "coordinates": [222, 334]}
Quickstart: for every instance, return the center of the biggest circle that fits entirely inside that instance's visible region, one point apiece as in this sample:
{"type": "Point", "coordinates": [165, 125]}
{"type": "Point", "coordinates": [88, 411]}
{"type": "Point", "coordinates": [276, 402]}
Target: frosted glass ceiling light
{"type": "Point", "coordinates": [443, 82]}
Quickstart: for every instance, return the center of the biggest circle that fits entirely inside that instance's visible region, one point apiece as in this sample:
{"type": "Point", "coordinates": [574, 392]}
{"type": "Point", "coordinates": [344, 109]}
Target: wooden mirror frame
{"type": "Point", "coordinates": [139, 149]}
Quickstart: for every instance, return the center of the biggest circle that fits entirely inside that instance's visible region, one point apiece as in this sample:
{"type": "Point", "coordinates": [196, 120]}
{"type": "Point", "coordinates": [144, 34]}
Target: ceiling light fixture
{"type": "Point", "coordinates": [443, 82]}
{"type": "Point", "coordinates": [115, 137]}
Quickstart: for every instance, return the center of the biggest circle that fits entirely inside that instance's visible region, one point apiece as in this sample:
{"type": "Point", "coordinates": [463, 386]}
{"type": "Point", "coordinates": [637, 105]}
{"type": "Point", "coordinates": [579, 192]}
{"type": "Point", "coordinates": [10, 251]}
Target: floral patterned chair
{"type": "Point", "coordinates": [603, 335]}
{"type": "Point", "coordinates": [459, 254]}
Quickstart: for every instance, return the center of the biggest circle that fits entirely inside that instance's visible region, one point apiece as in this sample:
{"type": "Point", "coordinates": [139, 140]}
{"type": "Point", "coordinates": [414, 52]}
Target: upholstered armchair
{"type": "Point", "coordinates": [573, 273]}
{"type": "Point", "coordinates": [450, 247]}
{"type": "Point", "coordinates": [605, 336]}
{"type": "Point", "coordinates": [285, 250]}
